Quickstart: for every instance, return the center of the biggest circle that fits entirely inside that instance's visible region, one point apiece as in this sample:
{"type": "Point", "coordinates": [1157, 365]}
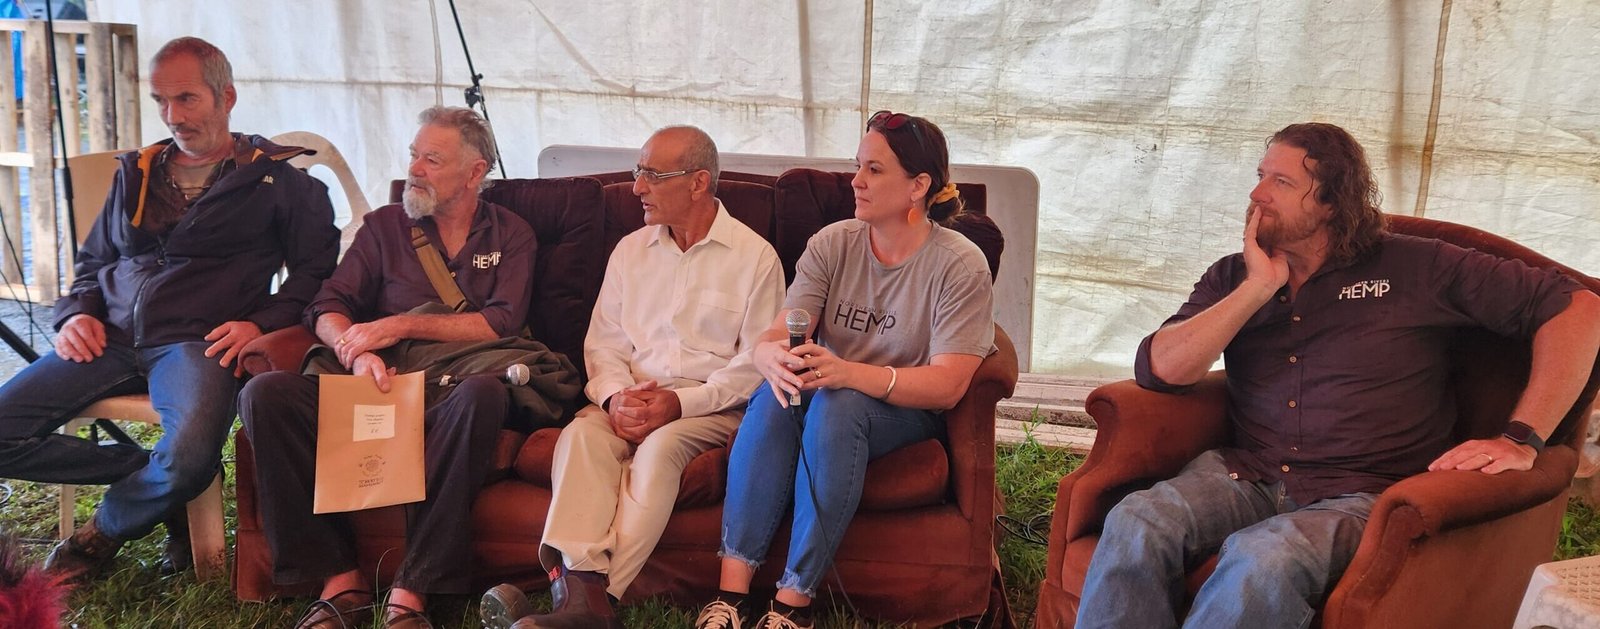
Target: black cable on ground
{"type": "Point", "coordinates": [1034, 530]}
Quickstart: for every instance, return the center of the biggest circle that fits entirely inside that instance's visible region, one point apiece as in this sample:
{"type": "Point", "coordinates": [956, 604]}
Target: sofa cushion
{"type": "Point", "coordinates": [912, 476]}
{"type": "Point", "coordinates": [704, 480]}
{"type": "Point", "coordinates": [535, 457]}
{"type": "Point", "coordinates": [506, 447]}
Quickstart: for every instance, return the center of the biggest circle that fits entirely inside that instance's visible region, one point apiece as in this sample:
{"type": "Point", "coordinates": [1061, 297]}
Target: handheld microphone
{"type": "Point", "coordinates": [798, 321]}
{"type": "Point", "coordinates": [515, 375]}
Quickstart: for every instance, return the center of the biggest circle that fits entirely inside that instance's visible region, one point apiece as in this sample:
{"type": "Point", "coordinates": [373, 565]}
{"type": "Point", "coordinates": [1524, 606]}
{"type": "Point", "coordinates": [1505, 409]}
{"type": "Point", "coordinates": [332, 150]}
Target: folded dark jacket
{"type": "Point", "coordinates": [550, 398]}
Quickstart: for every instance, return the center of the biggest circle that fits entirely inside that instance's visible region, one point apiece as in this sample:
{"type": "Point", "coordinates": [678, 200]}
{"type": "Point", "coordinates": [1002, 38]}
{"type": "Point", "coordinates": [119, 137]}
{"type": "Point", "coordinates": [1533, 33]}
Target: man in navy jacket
{"type": "Point", "coordinates": [170, 285]}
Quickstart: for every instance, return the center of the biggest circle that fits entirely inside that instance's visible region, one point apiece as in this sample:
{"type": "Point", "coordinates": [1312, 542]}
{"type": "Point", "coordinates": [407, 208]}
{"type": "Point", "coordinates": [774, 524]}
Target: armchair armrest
{"type": "Point", "coordinates": [279, 350]}
{"type": "Point", "coordinates": [1450, 499]}
{"type": "Point", "coordinates": [1141, 436]}
{"type": "Point", "coordinates": [970, 431]}
{"type": "Point", "coordinates": [1432, 528]}
{"type": "Point", "coordinates": [970, 428]}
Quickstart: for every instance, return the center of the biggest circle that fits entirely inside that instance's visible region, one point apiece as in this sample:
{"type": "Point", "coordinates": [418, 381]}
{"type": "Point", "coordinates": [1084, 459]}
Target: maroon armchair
{"type": "Point", "coordinates": [1441, 549]}
{"type": "Point", "coordinates": [921, 548]}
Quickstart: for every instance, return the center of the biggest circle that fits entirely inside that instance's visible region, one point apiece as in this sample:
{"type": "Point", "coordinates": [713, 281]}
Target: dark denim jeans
{"type": "Point", "coordinates": [194, 395]}
{"type": "Point", "coordinates": [842, 430]}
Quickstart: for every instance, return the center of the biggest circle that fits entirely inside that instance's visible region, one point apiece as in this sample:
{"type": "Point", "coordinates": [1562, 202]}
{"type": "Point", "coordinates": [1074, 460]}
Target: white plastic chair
{"type": "Point", "coordinates": [1562, 595]}
{"type": "Point", "coordinates": [329, 156]}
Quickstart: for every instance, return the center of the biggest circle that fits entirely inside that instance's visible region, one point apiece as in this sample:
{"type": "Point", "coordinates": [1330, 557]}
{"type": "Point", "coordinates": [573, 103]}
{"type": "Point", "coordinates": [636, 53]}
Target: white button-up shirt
{"type": "Point", "coordinates": [686, 319]}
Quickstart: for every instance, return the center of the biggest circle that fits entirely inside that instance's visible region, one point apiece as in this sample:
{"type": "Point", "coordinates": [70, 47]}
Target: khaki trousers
{"type": "Point", "coordinates": [612, 499]}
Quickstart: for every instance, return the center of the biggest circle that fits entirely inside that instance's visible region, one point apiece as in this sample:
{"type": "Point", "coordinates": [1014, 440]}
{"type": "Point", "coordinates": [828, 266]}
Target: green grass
{"type": "Point", "coordinates": [135, 596]}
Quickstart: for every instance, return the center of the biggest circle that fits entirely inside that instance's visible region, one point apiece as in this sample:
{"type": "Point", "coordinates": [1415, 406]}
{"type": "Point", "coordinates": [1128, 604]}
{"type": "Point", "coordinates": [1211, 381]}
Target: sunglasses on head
{"type": "Point", "coordinates": [886, 120]}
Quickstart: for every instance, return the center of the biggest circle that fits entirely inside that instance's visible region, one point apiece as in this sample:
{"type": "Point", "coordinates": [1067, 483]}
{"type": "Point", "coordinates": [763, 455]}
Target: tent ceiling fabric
{"type": "Point", "coordinates": [1144, 121]}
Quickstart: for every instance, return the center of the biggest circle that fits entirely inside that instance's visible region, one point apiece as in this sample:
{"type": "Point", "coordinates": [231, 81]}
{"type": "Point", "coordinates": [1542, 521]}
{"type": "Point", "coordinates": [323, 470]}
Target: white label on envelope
{"type": "Point", "coordinates": [373, 421]}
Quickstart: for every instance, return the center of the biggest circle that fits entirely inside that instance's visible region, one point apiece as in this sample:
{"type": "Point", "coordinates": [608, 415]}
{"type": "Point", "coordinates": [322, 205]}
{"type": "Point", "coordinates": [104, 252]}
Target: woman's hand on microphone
{"type": "Point", "coordinates": [825, 370]}
{"type": "Point", "coordinates": [777, 364]}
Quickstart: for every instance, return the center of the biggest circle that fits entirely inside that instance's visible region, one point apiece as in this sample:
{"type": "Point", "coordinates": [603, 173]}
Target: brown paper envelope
{"type": "Point", "coordinates": [369, 443]}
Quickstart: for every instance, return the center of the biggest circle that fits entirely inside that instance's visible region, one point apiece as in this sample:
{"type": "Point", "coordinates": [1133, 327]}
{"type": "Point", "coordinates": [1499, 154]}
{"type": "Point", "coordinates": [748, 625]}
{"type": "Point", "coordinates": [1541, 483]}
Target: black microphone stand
{"type": "Point", "coordinates": [474, 94]}
{"type": "Point", "coordinates": [10, 336]}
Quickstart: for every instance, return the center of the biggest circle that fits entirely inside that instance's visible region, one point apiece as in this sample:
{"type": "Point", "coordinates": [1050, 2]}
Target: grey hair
{"type": "Point", "coordinates": [701, 154]}
{"type": "Point", "coordinates": [214, 67]}
{"type": "Point", "coordinates": [475, 133]}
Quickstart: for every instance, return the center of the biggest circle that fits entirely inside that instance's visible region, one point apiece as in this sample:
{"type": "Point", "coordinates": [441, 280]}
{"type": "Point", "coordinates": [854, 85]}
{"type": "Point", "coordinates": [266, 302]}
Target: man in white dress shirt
{"type": "Point", "coordinates": [683, 301]}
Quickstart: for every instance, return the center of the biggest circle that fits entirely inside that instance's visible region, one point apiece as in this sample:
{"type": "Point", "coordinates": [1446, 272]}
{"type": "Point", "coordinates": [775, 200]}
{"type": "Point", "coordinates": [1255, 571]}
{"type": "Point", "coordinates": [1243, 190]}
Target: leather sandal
{"type": "Point", "coordinates": [346, 610]}
{"type": "Point", "coordinates": [408, 618]}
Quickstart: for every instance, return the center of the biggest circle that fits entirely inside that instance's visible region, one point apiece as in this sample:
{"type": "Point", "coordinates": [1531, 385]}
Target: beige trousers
{"type": "Point", "coordinates": [612, 499]}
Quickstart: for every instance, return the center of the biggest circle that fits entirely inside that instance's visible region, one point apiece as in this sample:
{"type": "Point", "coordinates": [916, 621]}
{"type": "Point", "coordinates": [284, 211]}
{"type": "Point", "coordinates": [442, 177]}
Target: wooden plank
{"type": "Point", "coordinates": [1071, 438]}
{"type": "Point", "coordinates": [128, 91]}
{"type": "Point", "coordinates": [67, 92]}
{"type": "Point", "coordinates": [79, 27]}
{"type": "Point", "coordinates": [37, 121]}
{"type": "Point", "coordinates": [17, 292]}
{"type": "Point", "coordinates": [10, 194]}
{"type": "Point", "coordinates": [99, 74]}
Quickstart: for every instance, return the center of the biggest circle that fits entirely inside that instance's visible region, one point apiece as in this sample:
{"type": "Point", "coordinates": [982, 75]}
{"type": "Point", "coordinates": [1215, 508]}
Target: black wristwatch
{"type": "Point", "coordinates": [1524, 434]}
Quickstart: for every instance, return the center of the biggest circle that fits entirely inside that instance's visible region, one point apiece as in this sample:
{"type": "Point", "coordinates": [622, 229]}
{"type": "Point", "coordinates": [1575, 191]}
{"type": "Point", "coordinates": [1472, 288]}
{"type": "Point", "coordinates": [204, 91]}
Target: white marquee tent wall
{"type": "Point", "coordinates": [1143, 120]}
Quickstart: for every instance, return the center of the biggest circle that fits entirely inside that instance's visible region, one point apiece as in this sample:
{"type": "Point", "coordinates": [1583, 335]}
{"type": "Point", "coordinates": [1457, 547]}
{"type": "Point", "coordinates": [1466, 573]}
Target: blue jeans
{"type": "Point", "coordinates": [1276, 558]}
{"type": "Point", "coordinates": [193, 394]}
{"type": "Point", "coordinates": [841, 431]}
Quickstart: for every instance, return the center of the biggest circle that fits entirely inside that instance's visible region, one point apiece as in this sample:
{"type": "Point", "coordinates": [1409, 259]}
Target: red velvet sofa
{"type": "Point", "coordinates": [921, 549]}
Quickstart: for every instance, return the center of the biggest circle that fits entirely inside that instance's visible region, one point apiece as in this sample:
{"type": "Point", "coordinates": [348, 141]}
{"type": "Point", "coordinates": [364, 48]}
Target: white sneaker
{"type": "Point", "coordinates": [775, 620]}
{"type": "Point", "coordinates": [719, 614]}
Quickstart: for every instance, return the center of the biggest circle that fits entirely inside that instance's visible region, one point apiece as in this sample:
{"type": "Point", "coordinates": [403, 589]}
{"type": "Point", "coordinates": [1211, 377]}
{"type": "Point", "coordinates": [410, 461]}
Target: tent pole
{"type": "Point", "coordinates": [474, 93]}
{"type": "Point", "coordinates": [866, 64]}
{"type": "Point", "coordinates": [1426, 173]}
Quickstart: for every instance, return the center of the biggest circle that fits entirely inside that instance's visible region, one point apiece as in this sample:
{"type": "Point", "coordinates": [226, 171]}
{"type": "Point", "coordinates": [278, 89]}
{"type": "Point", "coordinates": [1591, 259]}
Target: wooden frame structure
{"type": "Point", "coordinates": [102, 118]}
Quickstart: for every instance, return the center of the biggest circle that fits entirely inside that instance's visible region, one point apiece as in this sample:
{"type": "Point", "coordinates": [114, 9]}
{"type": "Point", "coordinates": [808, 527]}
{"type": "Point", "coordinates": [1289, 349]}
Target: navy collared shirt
{"type": "Point", "coordinates": [381, 276]}
{"type": "Point", "coordinates": [1344, 388]}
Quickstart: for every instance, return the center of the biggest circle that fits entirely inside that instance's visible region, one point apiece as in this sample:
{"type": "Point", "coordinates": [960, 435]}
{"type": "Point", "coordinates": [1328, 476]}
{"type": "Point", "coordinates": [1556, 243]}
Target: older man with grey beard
{"type": "Point", "coordinates": [367, 306]}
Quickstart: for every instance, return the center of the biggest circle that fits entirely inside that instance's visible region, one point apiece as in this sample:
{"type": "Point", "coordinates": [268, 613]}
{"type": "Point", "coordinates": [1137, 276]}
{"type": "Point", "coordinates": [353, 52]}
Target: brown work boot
{"type": "Point", "coordinates": [176, 554]}
{"type": "Point", "coordinates": [84, 555]}
{"type": "Point", "coordinates": [502, 606]}
{"type": "Point", "coordinates": [579, 602]}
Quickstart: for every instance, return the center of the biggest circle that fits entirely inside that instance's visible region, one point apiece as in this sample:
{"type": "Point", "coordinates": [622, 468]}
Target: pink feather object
{"type": "Point", "coordinates": [30, 598]}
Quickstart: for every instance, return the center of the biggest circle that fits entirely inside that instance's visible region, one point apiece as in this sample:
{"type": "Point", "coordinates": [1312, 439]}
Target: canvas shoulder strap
{"type": "Point", "coordinates": [438, 273]}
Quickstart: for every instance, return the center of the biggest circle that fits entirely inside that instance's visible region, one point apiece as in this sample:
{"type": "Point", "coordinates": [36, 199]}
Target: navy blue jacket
{"type": "Point", "coordinates": [216, 264]}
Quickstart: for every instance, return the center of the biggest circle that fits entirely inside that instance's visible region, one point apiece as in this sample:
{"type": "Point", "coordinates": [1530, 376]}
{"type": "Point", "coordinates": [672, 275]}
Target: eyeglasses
{"type": "Point", "coordinates": [886, 120]}
{"type": "Point", "coordinates": [655, 177]}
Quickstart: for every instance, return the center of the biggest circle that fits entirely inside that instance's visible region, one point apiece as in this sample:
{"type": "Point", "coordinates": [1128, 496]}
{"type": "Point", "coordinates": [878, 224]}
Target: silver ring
{"type": "Point", "coordinates": [1491, 457]}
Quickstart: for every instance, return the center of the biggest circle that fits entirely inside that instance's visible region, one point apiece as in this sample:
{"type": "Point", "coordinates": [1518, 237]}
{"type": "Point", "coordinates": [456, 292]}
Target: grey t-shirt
{"type": "Point", "coordinates": [938, 301]}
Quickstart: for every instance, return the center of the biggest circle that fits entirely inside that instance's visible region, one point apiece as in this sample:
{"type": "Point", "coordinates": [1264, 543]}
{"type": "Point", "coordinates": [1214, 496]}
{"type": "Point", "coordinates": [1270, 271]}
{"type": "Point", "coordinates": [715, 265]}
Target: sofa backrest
{"type": "Point", "coordinates": [750, 202]}
{"type": "Point", "coordinates": [578, 220]}
{"type": "Point", "coordinates": [789, 208]}
{"type": "Point", "coordinates": [1489, 371]}
{"type": "Point", "coordinates": [570, 262]}
{"type": "Point", "coordinates": [809, 199]}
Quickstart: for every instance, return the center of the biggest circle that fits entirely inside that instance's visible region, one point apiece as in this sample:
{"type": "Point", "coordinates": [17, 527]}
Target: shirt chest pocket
{"type": "Point", "coordinates": [715, 320]}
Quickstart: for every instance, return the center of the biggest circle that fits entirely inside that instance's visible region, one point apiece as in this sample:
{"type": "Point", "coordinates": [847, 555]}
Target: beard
{"type": "Point", "coordinates": [419, 200]}
{"type": "Point", "coordinates": [1275, 230]}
